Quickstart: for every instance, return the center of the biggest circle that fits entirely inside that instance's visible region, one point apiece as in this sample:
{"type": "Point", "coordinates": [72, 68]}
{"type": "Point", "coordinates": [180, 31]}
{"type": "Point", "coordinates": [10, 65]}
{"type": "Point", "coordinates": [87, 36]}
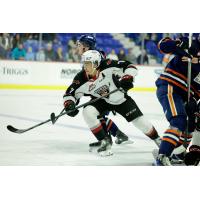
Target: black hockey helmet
{"type": "Point", "coordinates": [88, 40]}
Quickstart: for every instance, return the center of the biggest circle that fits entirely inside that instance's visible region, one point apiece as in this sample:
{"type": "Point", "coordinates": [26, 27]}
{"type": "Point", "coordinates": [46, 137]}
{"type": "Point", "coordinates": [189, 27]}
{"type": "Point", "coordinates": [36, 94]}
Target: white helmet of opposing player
{"type": "Point", "coordinates": [92, 56]}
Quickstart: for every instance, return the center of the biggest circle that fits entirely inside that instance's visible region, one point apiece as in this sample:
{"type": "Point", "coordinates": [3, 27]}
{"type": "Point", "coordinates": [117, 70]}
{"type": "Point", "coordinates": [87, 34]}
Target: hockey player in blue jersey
{"type": "Point", "coordinates": [88, 42]}
{"type": "Point", "coordinates": [172, 93]}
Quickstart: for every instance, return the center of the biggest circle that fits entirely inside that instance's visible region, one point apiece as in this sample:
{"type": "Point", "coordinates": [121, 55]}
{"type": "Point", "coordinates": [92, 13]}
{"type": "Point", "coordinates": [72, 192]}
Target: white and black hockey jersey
{"type": "Point", "coordinates": [83, 85]}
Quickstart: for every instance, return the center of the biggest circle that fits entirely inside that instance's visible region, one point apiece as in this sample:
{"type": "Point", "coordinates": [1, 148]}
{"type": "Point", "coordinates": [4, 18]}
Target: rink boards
{"type": "Point", "coordinates": [57, 76]}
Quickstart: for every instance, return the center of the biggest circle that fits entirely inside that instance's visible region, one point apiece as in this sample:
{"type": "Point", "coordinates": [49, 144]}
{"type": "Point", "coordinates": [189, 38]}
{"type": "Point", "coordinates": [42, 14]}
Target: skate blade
{"type": "Point", "coordinates": [177, 162]}
{"type": "Point", "coordinates": [93, 149]}
{"type": "Point", "coordinates": [126, 142]}
{"type": "Point", "coordinates": [106, 153]}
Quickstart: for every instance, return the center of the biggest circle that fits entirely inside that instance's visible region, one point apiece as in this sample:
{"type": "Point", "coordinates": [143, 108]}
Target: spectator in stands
{"type": "Point", "coordinates": [154, 37]}
{"type": "Point", "coordinates": [49, 53]}
{"type": "Point", "coordinates": [5, 45]}
{"type": "Point", "coordinates": [112, 55]}
{"type": "Point", "coordinates": [71, 43]}
{"type": "Point", "coordinates": [2, 53]}
{"type": "Point", "coordinates": [5, 41]}
{"type": "Point", "coordinates": [16, 40]}
{"type": "Point", "coordinates": [19, 52]}
{"type": "Point", "coordinates": [143, 58]}
{"type": "Point", "coordinates": [59, 54]}
{"type": "Point", "coordinates": [30, 55]}
{"type": "Point", "coordinates": [130, 56]}
{"type": "Point", "coordinates": [72, 55]}
{"type": "Point", "coordinates": [40, 55]}
{"type": "Point", "coordinates": [121, 55]}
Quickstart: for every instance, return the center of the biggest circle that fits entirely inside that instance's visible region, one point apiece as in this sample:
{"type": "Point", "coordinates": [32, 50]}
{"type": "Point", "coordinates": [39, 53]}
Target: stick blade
{"type": "Point", "coordinates": [53, 118]}
{"type": "Point", "coordinates": [15, 130]}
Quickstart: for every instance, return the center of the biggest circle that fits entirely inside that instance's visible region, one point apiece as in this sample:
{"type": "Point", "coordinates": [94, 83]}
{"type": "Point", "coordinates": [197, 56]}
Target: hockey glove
{"type": "Point", "coordinates": [193, 157]}
{"type": "Point", "coordinates": [125, 82]}
{"type": "Point", "coordinates": [69, 106]}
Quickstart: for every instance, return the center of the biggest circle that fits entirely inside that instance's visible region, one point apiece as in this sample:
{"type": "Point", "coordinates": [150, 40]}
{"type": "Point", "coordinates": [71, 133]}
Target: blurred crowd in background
{"type": "Point", "coordinates": [138, 48]}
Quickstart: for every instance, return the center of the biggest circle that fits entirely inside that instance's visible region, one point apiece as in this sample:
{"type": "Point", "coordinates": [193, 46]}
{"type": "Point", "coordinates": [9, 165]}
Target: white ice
{"type": "Point", "coordinates": [66, 142]}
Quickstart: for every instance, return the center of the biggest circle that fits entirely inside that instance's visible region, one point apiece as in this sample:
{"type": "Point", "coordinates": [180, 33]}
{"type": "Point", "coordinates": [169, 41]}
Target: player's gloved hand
{"type": "Point", "coordinates": [125, 82]}
{"type": "Point", "coordinates": [70, 105]}
{"type": "Point", "coordinates": [193, 156]}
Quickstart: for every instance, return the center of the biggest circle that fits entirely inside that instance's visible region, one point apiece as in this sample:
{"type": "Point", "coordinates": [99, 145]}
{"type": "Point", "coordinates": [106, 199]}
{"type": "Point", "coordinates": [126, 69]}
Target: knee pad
{"type": "Point", "coordinates": [179, 122]}
{"type": "Point", "coordinates": [90, 114]}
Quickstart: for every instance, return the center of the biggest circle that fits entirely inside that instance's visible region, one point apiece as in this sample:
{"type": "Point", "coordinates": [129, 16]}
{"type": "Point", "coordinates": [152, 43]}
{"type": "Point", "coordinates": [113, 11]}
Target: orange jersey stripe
{"type": "Point", "coordinates": [176, 73]}
{"type": "Point", "coordinates": [170, 141]}
{"type": "Point", "coordinates": [174, 82]}
{"type": "Point", "coordinates": [179, 85]}
{"type": "Point", "coordinates": [175, 132]}
{"type": "Point", "coordinates": [171, 101]}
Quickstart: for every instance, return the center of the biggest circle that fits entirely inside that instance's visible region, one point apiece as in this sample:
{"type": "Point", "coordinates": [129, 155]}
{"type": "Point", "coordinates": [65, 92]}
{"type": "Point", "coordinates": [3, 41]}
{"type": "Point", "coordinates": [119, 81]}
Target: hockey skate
{"type": "Point", "coordinates": [162, 160]}
{"type": "Point", "coordinates": [105, 147]}
{"type": "Point", "coordinates": [94, 146]}
{"type": "Point", "coordinates": [178, 155]}
{"type": "Point", "coordinates": [174, 158]}
{"type": "Point", "coordinates": [177, 159]}
{"type": "Point", "coordinates": [122, 138]}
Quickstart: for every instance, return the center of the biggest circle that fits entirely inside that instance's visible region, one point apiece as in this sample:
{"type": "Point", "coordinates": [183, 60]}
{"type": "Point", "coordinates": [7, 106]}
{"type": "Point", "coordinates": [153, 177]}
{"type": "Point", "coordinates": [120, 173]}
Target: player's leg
{"type": "Point", "coordinates": [131, 112]}
{"type": "Point", "coordinates": [112, 128]}
{"type": "Point", "coordinates": [173, 107]}
{"type": "Point", "coordinates": [90, 114]}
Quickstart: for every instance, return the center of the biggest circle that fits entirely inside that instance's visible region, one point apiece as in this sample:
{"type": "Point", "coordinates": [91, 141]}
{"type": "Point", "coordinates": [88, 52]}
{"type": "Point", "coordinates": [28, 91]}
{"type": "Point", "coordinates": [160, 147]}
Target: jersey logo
{"type": "Point", "coordinates": [197, 78]}
{"type": "Point", "coordinates": [102, 90]}
{"type": "Point", "coordinates": [91, 87]}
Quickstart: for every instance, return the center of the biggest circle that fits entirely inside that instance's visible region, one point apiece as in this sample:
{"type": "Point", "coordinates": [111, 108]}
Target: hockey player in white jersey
{"type": "Point", "coordinates": [98, 78]}
{"type": "Point", "coordinates": [88, 42]}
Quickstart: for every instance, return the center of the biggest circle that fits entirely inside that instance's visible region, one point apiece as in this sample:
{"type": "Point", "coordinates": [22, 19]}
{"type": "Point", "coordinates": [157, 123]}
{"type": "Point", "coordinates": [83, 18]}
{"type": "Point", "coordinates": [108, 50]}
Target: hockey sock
{"type": "Point", "coordinates": [182, 139]}
{"type": "Point", "coordinates": [99, 132]}
{"type": "Point", "coordinates": [169, 141]}
{"type": "Point", "coordinates": [153, 134]}
{"type": "Point", "coordinates": [166, 148]}
{"type": "Point", "coordinates": [110, 126]}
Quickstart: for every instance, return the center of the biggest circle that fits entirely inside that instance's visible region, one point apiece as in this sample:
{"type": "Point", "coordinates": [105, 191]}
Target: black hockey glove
{"type": "Point", "coordinates": [193, 156]}
{"type": "Point", "coordinates": [70, 105]}
{"type": "Point", "coordinates": [125, 82]}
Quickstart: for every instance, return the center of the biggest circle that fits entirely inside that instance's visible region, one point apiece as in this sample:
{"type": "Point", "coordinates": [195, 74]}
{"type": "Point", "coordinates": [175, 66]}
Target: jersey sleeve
{"type": "Point", "coordinates": [70, 93]}
{"type": "Point", "coordinates": [176, 47]}
{"type": "Point", "coordinates": [128, 68]}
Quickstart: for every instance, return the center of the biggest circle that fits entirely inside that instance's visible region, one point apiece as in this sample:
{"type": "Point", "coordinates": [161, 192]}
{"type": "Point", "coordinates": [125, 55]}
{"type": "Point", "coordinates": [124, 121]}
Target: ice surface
{"type": "Point", "coordinates": [66, 142]}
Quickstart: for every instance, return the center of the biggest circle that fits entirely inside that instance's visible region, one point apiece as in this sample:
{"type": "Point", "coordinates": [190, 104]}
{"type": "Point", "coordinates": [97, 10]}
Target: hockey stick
{"type": "Point", "coordinates": [54, 118]}
{"type": "Point", "coordinates": [19, 131]}
{"type": "Point", "coordinates": [189, 89]}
